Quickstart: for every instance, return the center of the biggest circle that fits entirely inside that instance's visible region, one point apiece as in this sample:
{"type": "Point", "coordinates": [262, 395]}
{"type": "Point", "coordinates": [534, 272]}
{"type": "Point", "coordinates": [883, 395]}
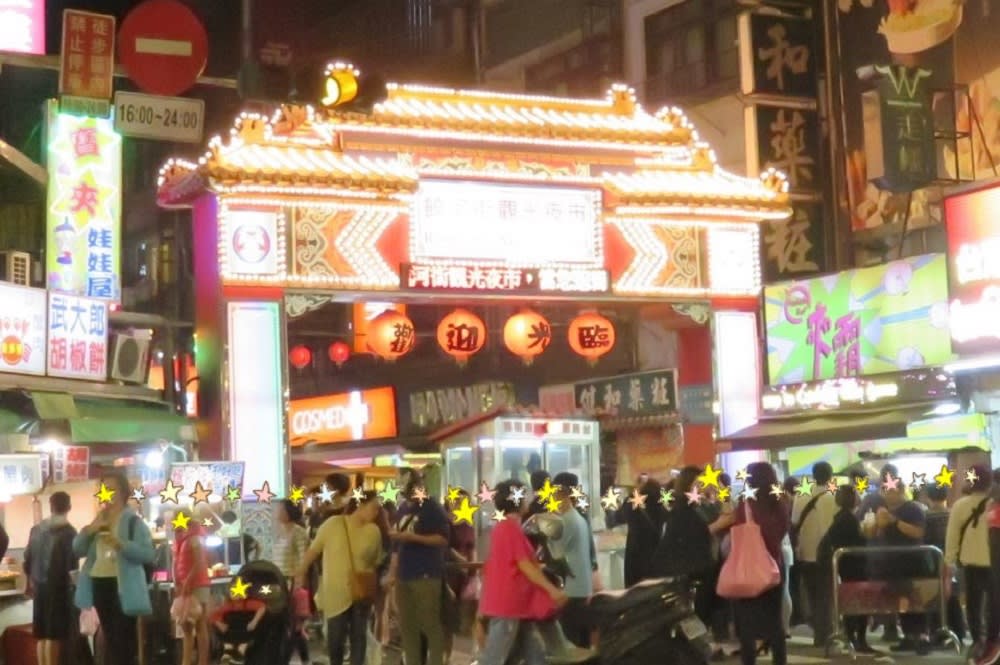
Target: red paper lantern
{"type": "Point", "coordinates": [591, 336]}
{"type": "Point", "coordinates": [461, 334]}
{"type": "Point", "coordinates": [338, 352]}
{"type": "Point", "coordinates": [527, 334]}
{"type": "Point", "coordinates": [391, 335]}
{"type": "Point", "coordinates": [300, 356]}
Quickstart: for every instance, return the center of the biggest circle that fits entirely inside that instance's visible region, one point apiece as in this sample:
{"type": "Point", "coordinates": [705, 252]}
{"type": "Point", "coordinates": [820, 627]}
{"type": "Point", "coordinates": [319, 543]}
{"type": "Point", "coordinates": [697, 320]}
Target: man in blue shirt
{"type": "Point", "coordinates": [575, 546]}
{"type": "Point", "coordinates": [421, 541]}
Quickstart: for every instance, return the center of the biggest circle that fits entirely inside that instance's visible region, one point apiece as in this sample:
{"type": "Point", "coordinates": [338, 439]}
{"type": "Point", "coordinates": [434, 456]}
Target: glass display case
{"type": "Point", "coordinates": [509, 446]}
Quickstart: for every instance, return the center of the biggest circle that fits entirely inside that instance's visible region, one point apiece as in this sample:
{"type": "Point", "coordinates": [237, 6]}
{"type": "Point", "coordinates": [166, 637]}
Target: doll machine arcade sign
{"type": "Point", "coordinates": [446, 194]}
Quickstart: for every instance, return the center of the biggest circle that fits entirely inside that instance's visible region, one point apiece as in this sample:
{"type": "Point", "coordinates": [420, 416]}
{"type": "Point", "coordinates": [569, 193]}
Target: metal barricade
{"type": "Point", "coordinates": [876, 596]}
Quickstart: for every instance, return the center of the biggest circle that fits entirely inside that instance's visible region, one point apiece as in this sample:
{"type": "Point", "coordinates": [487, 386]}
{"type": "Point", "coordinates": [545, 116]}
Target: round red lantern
{"type": "Point", "coordinates": [461, 334]}
{"type": "Point", "coordinates": [338, 353]}
{"type": "Point", "coordinates": [300, 356]}
{"type": "Point", "coordinates": [527, 334]}
{"type": "Point", "coordinates": [391, 335]}
{"type": "Point", "coordinates": [591, 336]}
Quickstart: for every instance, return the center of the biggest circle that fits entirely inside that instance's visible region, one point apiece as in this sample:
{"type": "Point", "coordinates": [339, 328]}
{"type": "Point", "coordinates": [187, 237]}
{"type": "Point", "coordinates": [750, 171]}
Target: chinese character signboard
{"type": "Point", "coordinates": [899, 129]}
{"type": "Point", "coordinates": [22, 26]}
{"type": "Point", "coordinates": [88, 48]}
{"type": "Point", "coordinates": [777, 56]}
{"type": "Point", "coordinates": [20, 473]}
{"type": "Point", "coordinates": [83, 244]}
{"type": "Point", "coordinates": [22, 329]}
{"type": "Point", "coordinates": [645, 393]}
{"type": "Point", "coordinates": [432, 409]}
{"type": "Point", "coordinates": [514, 280]}
{"type": "Point", "coordinates": [787, 139]}
{"type": "Point", "coordinates": [67, 464]}
{"type": "Point", "coordinates": [887, 318]}
{"type": "Point", "coordinates": [794, 246]}
{"type": "Point", "coordinates": [78, 337]}
{"type": "Point", "coordinates": [974, 270]}
{"type": "Point", "coordinates": [359, 415]}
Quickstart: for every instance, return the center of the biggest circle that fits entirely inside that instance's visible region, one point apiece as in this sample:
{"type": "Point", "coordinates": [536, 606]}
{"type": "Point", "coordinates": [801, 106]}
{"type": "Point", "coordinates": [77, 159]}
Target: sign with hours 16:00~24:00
{"type": "Point", "coordinates": [161, 118]}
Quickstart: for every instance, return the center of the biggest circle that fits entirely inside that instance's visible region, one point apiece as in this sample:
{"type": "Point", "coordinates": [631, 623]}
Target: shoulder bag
{"type": "Point", "coordinates": [793, 533]}
{"type": "Point", "coordinates": [977, 512]}
{"type": "Point", "coordinates": [749, 570]}
{"type": "Point", "coordinates": [363, 583]}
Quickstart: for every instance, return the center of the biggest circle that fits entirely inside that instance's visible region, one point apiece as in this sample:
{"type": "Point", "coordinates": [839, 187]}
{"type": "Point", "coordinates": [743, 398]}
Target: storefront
{"type": "Point", "coordinates": [855, 366]}
{"type": "Point", "coordinates": [452, 197]}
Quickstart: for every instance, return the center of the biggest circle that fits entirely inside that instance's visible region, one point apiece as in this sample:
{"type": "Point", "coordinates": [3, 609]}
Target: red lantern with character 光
{"type": "Point", "coordinates": [591, 336]}
{"type": "Point", "coordinates": [339, 353]}
{"type": "Point", "coordinates": [461, 334]}
{"type": "Point", "coordinates": [527, 334]}
{"type": "Point", "coordinates": [391, 335]}
{"type": "Point", "coordinates": [300, 356]}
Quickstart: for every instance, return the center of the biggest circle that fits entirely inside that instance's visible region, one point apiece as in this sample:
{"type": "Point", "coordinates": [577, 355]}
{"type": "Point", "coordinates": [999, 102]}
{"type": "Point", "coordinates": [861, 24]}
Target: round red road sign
{"type": "Point", "coordinates": [163, 47]}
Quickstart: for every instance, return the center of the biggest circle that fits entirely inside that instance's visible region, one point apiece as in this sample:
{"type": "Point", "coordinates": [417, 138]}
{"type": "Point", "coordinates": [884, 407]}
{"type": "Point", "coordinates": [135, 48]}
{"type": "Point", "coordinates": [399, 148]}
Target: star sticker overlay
{"type": "Point", "coordinates": [298, 495]}
{"type": "Point", "coordinates": [890, 483]}
{"type": "Point", "coordinates": [776, 491]}
{"type": "Point", "coordinates": [358, 494]}
{"type": "Point", "coordinates": [546, 492]}
{"type": "Point", "coordinates": [724, 493]}
{"type": "Point", "coordinates": [517, 495]}
{"type": "Point", "coordinates": [485, 493]}
{"type": "Point", "coordinates": [971, 477]}
{"type": "Point", "coordinates": [610, 500]}
{"type": "Point", "coordinates": [577, 493]}
{"type": "Point", "coordinates": [666, 498]}
{"type": "Point", "coordinates": [498, 516]}
{"type": "Point", "coordinates": [181, 521]}
{"type": "Point", "coordinates": [742, 475]}
{"type": "Point", "coordinates": [918, 481]}
{"type": "Point", "coordinates": [138, 494]}
{"type": "Point", "coordinates": [805, 488]}
{"type": "Point", "coordinates": [170, 491]}
{"type": "Point", "coordinates": [390, 493]}
{"type": "Point", "coordinates": [239, 589]}
{"type": "Point", "coordinates": [582, 503]}
{"type": "Point", "coordinates": [944, 476]}
{"type": "Point", "coordinates": [552, 505]}
{"type": "Point", "coordinates": [233, 493]}
{"type": "Point", "coordinates": [749, 493]}
{"type": "Point", "coordinates": [420, 495]}
{"type": "Point", "coordinates": [208, 522]}
{"type": "Point", "coordinates": [638, 500]}
{"type": "Point", "coordinates": [465, 512]}
{"type": "Point", "coordinates": [325, 494]}
{"type": "Point", "coordinates": [831, 487]}
{"type": "Point", "coordinates": [861, 485]}
{"type": "Point", "coordinates": [105, 495]}
{"type": "Point", "coordinates": [265, 590]}
{"type": "Point", "coordinates": [709, 477]}
{"type": "Point", "coordinates": [264, 495]}
{"type": "Point", "coordinates": [454, 493]}
{"type": "Point", "coordinates": [693, 496]}
{"type": "Point", "coordinates": [200, 494]}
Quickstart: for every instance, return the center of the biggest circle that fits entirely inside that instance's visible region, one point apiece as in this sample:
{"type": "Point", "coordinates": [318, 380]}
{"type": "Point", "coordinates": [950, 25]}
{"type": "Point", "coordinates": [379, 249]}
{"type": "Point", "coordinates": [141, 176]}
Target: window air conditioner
{"type": "Point", "coordinates": [15, 267]}
{"type": "Point", "coordinates": [130, 360]}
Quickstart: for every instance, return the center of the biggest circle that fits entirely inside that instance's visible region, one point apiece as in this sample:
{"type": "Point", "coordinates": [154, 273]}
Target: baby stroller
{"type": "Point", "coordinates": [269, 641]}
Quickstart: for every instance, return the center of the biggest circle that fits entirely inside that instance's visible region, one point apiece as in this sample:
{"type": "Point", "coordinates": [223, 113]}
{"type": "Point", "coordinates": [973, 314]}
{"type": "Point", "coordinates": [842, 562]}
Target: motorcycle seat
{"type": "Point", "coordinates": [616, 602]}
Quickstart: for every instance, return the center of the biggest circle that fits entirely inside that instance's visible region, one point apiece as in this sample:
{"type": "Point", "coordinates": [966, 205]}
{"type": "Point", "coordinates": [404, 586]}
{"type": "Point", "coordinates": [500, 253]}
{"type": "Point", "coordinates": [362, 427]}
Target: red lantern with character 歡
{"type": "Point", "coordinates": [527, 334]}
{"type": "Point", "coordinates": [391, 335]}
{"type": "Point", "coordinates": [461, 334]}
{"type": "Point", "coordinates": [591, 336]}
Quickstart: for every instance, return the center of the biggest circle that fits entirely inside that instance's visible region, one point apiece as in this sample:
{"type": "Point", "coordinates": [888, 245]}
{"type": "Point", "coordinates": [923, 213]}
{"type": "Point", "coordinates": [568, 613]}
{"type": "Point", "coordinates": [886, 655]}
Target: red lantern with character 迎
{"type": "Point", "coordinates": [461, 334]}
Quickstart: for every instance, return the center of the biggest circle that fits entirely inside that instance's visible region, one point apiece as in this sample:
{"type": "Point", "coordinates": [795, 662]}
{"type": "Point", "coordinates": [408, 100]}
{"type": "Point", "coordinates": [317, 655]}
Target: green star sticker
{"type": "Point", "coordinates": [232, 493]}
{"type": "Point", "coordinates": [805, 488]}
{"type": "Point", "coordinates": [390, 493]}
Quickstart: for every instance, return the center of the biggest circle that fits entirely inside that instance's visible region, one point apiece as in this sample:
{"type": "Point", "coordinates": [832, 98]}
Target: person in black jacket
{"type": "Point", "coordinates": [845, 531]}
{"type": "Point", "coordinates": [645, 525]}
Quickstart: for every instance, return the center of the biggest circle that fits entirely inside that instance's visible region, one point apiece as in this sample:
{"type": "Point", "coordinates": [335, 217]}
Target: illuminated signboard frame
{"type": "Point", "coordinates": [24, 26]}
{"type": "Point", "coordinates": [23, 329]}
{"type": "Point", "coordinates": [974, 269]}
{"type": "Point", "coordinates": [359, 415]}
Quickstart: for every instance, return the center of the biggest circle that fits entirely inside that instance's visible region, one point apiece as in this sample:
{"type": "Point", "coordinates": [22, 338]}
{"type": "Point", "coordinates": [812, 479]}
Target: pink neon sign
{"type": "Point", "coordinates": [22, 26]}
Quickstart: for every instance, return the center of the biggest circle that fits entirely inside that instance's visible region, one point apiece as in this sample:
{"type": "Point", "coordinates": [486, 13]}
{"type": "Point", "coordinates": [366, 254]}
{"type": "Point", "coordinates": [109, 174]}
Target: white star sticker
{"type": "Point", "coordinates": [742, 475]}
{"type": "Point", "coordinates": [971, 476]}
{"type": "Point", "coordinates": [326, 494]}
{"type": "Point", "coordinates": [610, 500]}
{"type": "Point", "coordinates": [358, 494]}
{"type": "Point", "coordinates": [749, 493]}
{"type": "Point", "coordinates": [582, 503]}
{"type": "Point", "coordinates": [138, 494]}
{"type": "Point", "coordinates": [265, 590]}
{"type": "Point", "coordinates": [517, 496]}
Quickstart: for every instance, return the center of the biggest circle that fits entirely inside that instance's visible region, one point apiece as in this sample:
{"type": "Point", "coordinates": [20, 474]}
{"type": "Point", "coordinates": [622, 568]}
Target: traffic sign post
{"type": "Point", "coordinates": [162, 118]}
{"type": "Point", "coordinates": [163, 47]}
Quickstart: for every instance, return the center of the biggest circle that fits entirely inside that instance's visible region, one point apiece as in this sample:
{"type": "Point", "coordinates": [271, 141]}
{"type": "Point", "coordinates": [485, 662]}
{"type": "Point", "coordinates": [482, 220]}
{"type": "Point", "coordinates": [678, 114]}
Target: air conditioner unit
{"type": "Point", "coordinates": [15, 267]}
{"type": "Point", "coordinates": [130, 359]}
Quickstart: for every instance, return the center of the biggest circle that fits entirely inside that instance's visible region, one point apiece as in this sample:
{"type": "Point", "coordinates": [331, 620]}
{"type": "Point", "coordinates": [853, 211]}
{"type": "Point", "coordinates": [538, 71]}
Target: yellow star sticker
{"type": "Point", "coordinates": [546, 492]}
{"type": "Point", "coordinates": [239, 589]}
{"type": "Point", "coordinates": [105, 495]}
{"type": "Point", "coordinates": [710, 477]}
{"type": "Point", "coordinates": [861, 485]}
{"type": "Point", "coordinates": [169, 492]}
{"type": "Point", "coordinates": [298, 495]}
{"type": "Point", "coordinates": [181, 521]}
{"type": "Point", "coordinates": [454, 493]}
{"type": "Point", "coordinates": [724, 493]}
{"type": "Point", "coordinates": [200, 494]}
{"type": "Point", "coordinates": [943, 478]}
{"type": "Point", "coordinates": [552, 505]}
{"type": "Point", "coordinates": [464, 512]}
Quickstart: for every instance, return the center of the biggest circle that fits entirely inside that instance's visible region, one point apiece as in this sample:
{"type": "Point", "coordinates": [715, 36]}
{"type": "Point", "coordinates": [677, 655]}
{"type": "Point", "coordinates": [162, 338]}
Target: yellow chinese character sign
{"type": "Point", "coordinates": [83, 231]}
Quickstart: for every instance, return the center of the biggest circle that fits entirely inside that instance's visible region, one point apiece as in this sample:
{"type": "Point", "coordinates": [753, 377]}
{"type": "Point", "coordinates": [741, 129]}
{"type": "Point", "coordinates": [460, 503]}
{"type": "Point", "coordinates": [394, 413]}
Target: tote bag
{"type": "Point", "coordinates": [749, 570]}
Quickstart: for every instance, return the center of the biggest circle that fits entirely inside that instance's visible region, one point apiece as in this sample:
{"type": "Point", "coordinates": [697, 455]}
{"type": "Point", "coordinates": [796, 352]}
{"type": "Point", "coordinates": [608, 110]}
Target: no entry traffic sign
{"type": "Point", "coordinates": [163, 47]}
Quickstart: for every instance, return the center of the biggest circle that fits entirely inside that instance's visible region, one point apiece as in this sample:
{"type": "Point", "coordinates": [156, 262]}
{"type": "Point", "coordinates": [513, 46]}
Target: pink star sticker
{"type": "Point", "coordinates": [264, 494]}
{"type": "Point", "coordinates": [832, 486]}
{"type": "Point", "coordinates": [890, 483]}
{"type": "Point", "coordinates": [693, 496]}
{"type": "Point", "coordinates": [485, 493]}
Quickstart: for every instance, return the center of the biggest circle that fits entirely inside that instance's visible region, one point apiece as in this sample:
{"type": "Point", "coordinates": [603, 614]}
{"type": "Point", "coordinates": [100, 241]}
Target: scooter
{"type": "Point", "coordinates": [650, 623]}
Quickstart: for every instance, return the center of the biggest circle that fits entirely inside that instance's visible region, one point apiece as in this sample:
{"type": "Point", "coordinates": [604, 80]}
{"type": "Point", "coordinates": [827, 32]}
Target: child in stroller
{"type": "Point", "coordinates": [236, 621]}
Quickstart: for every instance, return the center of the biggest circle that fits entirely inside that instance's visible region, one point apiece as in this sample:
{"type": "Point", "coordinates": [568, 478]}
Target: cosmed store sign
{"type": "Point", "coordinates": [355, 416]}
{"type": "Point", "coordinates": [887, 318]}
{"type": "Point", "coordinates": [974, 270]}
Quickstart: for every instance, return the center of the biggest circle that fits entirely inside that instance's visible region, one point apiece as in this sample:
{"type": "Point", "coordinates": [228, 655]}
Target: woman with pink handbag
{"type": "Point", "coordinates": [752, 574]}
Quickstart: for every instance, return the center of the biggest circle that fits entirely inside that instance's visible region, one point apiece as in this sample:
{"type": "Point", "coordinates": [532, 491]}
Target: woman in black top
{"type": "Point", "coordinates": [645, 526]}
{"type": "Point", "coordinates": [845, 531]}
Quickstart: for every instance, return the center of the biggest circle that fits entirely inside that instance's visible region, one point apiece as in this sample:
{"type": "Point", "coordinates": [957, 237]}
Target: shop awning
{"type": "Point", "coordinates": [777, 433]}
{"type": "Point", "coordinates": [10, 422]}
{"type": "Point", "coordinates": [119, 421]}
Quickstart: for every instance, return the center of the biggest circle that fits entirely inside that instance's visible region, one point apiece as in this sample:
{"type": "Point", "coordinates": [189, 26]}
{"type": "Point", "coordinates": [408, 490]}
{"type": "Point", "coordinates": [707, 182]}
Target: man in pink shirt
{"type": "Point", "coordinates": [516, 595]}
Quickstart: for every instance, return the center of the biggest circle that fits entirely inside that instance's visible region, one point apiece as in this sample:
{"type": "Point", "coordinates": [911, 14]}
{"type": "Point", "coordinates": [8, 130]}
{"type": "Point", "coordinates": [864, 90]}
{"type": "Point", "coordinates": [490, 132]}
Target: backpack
{"type": "Point", "coordinates": [148, 568]}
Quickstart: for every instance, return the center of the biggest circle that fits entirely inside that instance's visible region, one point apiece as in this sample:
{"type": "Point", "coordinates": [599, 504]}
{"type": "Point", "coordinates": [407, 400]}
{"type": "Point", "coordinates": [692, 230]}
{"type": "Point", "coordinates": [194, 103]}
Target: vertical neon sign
{"type": "Point", "coordinates": [83, 233]}
{"type": "Point", "coordinates": [256, 397]}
